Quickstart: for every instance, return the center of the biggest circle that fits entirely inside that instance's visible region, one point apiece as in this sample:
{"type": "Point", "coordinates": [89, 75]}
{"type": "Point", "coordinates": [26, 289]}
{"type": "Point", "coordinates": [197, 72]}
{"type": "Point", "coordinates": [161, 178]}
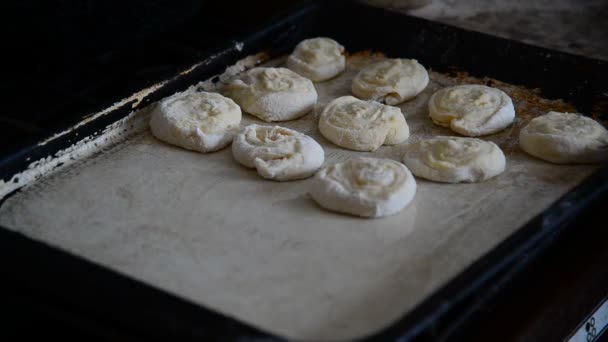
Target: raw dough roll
{"type": "Point", "coordinates": [197, 121]}
{"type": "Point", "coordinates": [365, 187]}
{"type": "Point", "coordinates": [362, 125]}
{"type": "Point", "coordinates": [318, 59]}
{"type": "Point", "coordinates": [565, 138]}
{"type": "Point", "coordinates": [455, 159]}
{"type": "Point", "coordinates": [390, 81]}
{"type": "Point", "coordinates": [273, 94]}
{"type": "Point", "coordinates": [277, 153]}
{"type": "Point", "coordinates": [472, 110]}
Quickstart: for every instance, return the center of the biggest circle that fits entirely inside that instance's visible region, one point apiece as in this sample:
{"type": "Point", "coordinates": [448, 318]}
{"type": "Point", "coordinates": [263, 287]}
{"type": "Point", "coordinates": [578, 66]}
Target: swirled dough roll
{"type": "Point", "coordinates": [472, 110]}
{"type": "Point", "coordinates": [273, 94]}
{"type": "Point", "coordinates": [362, 125]}
{"type": "Point", "coordinates": [455, 159]}
{"type": "Point", "coordinates": [198, 121]}
{"type": "Point", "coordinates": [390, 81]}
{"type": "Point", "coordinates": [366, 187]}
{"type": "Point", "coordinates": [565, 138]}
{"type": "Point", "coordinates": [318, 59]}
{"type": "Point", "coordinates": [277, 153]}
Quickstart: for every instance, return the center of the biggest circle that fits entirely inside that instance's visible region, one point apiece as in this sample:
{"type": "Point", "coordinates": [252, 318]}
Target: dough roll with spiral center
{"type": "Point", "coordinates": [197, 121]}
{"type": "Point", "coordinates": [390, 81]}
{"type": "Point", "coordinates": [455, 159]}
{"type": "Point", "coordinates": [365, 187]}
{"type": "Point", "coordinates": [565, 138]}
{"type": "Point", "coordinates": [362, 125]}
{"type": "Point", "coordinates": [277, 153]}
{"type": "Point", "coordinates": [472, 110]}
{"type": "Point", "coordinates": [317, 59]}
{"type": "Point", "coordinates": [272, 94]}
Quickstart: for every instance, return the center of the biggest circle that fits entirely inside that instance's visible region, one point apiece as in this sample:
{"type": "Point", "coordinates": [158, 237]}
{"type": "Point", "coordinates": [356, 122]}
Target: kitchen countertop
{"type": "Point", "coordinates": [578, 27]}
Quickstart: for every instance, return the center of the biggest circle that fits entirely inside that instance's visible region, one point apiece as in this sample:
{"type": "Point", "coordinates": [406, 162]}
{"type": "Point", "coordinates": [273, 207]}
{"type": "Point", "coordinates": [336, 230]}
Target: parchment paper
{"type": "Point", "coordinates": [211, 231]}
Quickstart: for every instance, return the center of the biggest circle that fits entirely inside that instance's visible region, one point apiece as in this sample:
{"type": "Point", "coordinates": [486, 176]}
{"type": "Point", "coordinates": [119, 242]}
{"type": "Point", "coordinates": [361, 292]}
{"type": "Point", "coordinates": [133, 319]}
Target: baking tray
{"type": "Point", "coordinates": [152, 313]}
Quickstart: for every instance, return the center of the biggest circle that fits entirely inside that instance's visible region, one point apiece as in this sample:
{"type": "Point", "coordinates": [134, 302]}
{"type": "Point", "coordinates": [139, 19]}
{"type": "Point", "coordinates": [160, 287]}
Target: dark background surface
{"type": "Point", "coordinates": [69, 58]}
{"type": "Point", "coordinates": [66, 59]}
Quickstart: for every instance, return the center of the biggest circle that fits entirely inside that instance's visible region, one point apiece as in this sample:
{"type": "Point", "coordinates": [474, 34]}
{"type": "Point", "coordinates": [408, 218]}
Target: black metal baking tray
{"type": "Point", "coordinates": [95, 296]}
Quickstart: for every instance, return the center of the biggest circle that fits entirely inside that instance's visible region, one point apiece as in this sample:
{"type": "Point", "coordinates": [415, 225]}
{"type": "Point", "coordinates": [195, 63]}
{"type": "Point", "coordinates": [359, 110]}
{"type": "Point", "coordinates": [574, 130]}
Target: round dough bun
{"type": "Point", "coordinates": [277, 153]}
{"type": "Point", "coordinates": [472, 110]}
{"type": "Point", "coordinates": [390, 81]}
{"type": "Point", "coordinates": [197, 121]}
{"type": "Point", "coordinates": [362, 125]}
{"type": "Point", "coordinates": [455, 159]}
{"type": "Point", "coordinates": [565, 138]}
{"type": "Point", "coordinates": [365, 187]}
{"type": "Point", "coordinates": [318, 59]}
{"type": "Point", "coordinates": [273, 94]}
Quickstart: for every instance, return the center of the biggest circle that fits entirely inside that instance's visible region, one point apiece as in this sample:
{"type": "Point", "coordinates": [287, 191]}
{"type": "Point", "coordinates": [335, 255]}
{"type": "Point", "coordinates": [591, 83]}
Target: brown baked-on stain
{"type": "Point", "coordinates": [360, 59]}
{"type": "Point", "coordinates": [528, 102]}
{"type": "Point", "coordinates": [599, 110]}
{"type": "Point", "coordinates": [366, 54]}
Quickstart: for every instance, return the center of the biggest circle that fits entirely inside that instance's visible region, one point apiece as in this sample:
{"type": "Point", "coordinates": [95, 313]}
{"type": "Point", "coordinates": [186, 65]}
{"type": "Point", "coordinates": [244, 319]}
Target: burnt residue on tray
{"type": "Point", "coordinates": [529, 104]}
